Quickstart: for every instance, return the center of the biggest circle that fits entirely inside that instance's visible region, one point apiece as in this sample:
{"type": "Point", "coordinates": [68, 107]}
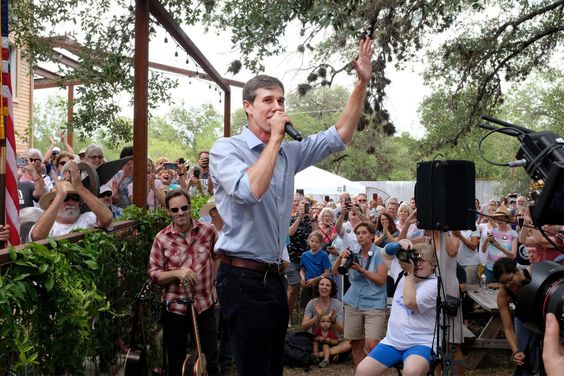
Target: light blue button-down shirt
{"type": "Point", "coordinates": [364, 294]}
{"type": "Point", "coordinates": [257, 228]}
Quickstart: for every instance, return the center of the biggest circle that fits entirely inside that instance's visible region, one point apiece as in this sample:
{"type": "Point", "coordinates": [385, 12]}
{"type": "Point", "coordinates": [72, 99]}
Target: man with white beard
{"type": "Point", "coordinates": [62, 209]}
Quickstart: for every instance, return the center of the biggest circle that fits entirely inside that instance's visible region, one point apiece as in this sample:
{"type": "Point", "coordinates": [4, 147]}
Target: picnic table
{"type": "Point", "coordinates": [487, 339]}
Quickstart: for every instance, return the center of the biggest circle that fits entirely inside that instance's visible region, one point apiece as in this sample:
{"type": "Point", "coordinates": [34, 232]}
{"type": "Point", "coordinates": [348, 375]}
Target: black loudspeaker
{"type": "Point", "coordinates": [445, 192]}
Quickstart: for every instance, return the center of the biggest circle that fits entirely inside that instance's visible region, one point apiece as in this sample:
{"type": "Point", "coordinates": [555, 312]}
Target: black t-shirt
{"type": "Point", "coordinates": [25, 193]}
{"type": "Point", "coordinates": [298, 241]}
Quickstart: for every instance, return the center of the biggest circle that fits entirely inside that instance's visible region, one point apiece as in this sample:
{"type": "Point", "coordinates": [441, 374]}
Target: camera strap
{"type": "Point", "coordinates": [368, 260]}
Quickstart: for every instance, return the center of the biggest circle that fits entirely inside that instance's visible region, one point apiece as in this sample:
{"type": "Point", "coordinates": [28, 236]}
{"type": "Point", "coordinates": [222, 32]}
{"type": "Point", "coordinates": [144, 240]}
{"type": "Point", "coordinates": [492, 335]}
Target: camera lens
{"type": "Point", "coordinates": [544, 293]}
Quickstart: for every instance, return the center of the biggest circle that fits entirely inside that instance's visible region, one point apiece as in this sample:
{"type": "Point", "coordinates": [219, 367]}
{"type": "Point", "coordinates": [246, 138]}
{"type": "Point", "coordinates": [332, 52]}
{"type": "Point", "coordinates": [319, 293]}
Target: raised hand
{"type": "Point", "coordinates": [363, 63]}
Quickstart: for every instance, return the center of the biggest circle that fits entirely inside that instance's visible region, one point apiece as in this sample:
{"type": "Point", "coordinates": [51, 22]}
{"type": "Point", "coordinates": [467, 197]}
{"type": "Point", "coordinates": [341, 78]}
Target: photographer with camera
{"type": "Point", "coordinates": [365, 300]}
{"type": "Point", "coordinates": [411, 325]}
{"type": "Point", "coordinates": [524, 343]}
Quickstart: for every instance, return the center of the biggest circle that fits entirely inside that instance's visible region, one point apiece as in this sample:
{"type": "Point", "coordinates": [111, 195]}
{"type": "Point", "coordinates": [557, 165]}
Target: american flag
{"type": "Point", "coordinates": [8, 166]}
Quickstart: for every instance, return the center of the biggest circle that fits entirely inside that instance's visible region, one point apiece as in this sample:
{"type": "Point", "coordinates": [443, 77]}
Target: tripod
{"type": "Point", "coordinates": [447, 308]}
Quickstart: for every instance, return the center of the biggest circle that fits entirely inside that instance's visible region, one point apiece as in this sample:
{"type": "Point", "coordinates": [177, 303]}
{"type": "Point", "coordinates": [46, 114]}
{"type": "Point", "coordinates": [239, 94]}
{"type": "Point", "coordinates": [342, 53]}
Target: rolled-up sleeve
{"type": "Point", "coordinates": [229, 171]}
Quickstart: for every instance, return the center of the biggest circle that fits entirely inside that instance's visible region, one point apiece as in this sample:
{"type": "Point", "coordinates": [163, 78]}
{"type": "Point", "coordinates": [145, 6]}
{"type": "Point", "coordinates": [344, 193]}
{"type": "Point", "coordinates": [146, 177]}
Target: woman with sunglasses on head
{"type": "Point", "coordinates": [523, 342]}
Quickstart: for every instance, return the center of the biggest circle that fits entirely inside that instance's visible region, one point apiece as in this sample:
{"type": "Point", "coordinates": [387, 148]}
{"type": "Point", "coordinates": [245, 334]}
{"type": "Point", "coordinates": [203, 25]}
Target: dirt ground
{"type": "Point", "coordinates": [495, 363]}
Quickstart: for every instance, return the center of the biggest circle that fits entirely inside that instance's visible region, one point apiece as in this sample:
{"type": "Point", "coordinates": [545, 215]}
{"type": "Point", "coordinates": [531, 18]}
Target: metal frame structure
{"type": "Point", "coordinates": [143, 10]}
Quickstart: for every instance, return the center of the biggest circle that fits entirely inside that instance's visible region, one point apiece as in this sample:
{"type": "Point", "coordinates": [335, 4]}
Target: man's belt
{"type": "Point", "coordinates": [253, 265]}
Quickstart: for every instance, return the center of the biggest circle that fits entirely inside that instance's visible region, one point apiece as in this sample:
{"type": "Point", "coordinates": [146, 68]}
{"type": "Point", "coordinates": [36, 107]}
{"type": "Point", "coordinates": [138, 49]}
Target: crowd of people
{"type": "Point", "coordinates": [53, 201]}
{"type": "Point", "coordinates": [259, 256]}
{"type": "Point", "coordinates": [345, 307]}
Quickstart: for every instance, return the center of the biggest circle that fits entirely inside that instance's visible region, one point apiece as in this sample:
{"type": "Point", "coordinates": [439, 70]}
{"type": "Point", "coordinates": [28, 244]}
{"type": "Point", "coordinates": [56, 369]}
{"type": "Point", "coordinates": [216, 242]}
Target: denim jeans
{"type": "Point", "coordinates": [528, 342]}
{"type": "Point", "coordinates": [175, 330]}
{"type": "Point", "coordinates": [255, 308]}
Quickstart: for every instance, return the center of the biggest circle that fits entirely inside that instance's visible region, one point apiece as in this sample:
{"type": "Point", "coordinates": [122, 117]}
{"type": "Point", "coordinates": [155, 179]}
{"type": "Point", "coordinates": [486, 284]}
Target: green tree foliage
{"type": "Point", "coordinates": [535, 104]}
{"type": "Point", "coordinates": [471, 46]}
{"type": "Point", "coordinates": [371, 155]}
{"type": "Point", "coordinates": [181, 132]}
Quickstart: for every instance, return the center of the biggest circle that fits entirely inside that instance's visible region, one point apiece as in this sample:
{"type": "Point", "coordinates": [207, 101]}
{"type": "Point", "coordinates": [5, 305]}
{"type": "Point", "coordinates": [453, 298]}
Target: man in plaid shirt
{"type": "Point", "coordinates": [182, 257]}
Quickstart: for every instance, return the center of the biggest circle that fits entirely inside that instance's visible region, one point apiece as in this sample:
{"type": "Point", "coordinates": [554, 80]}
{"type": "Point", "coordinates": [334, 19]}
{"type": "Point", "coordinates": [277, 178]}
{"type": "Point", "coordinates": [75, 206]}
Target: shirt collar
{"type": "Point", "coordinates": [250, 138]}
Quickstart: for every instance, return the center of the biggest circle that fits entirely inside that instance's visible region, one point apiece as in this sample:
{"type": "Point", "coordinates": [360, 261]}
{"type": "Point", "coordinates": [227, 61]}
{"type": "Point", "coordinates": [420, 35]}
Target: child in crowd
{"type": "Point", "coordinates": [314, 265]}
{"type": "Point", "coordinates": [326, 338]}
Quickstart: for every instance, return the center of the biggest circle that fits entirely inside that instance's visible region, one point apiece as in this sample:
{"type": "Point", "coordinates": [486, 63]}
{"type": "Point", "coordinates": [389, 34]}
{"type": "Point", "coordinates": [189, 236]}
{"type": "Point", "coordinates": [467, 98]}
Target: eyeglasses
{"type": "Point", "coordinates": [183, 208]}
{"type": "Point", "coordinates": [361, 200]}
{"type": "Point", "coordinates": [95, 157]}
{"type": "Point", "coordinates": [105, 194]}
{"type": "Point", "coordinates": [33, 160]}
{"type": "Point", "coordinates": [73, 197]}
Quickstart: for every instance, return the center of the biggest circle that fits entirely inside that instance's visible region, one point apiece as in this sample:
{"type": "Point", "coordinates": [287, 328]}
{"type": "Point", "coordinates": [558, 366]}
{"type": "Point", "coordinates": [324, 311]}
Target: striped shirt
{"type": "Point", "coordinates": [172, 251]}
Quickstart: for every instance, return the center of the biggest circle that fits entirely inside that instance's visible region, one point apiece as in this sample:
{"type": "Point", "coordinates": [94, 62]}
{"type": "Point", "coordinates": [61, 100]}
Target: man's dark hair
{"type": "Point", "coordinates": [261, 81]}
{"type": "Point", "coordinates": [504, 265]}
{"type": "Point", "coordinates": [127, 151]}
{"type": "Point", "coordinates": [202, 152]}
{"type": "Point", "coordinates": [176, 193]}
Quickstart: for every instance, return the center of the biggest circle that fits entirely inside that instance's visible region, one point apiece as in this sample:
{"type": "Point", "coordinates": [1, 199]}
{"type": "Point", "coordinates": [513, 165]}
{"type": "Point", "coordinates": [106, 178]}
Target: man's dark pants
{"type": "Point", "coordinates": [175, 331]}
{"type": "Point", "coordinates": [255, 306]}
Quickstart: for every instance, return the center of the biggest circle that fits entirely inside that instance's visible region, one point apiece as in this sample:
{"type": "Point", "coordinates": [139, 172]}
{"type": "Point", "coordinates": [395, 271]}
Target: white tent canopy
{"type": "Point", "coordinates": [315, 181]}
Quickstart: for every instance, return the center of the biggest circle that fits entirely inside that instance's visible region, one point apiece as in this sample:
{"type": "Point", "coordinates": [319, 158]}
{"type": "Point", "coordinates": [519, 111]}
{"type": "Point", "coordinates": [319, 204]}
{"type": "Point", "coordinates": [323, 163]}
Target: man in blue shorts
{"type": "Point", "coordinates": [412, 320]}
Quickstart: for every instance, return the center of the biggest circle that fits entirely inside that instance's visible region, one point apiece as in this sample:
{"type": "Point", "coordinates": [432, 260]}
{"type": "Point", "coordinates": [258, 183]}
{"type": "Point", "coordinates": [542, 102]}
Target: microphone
{"type": "Point", "coordinates": [392, 248]}
{"type": "Point", "coordinates": [517, 163]}
{"type": "Point", "coordinates": [292, 132]}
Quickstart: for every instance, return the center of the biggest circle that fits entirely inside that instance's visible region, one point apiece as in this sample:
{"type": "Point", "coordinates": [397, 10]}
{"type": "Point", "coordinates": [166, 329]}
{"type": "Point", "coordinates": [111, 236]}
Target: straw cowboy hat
{"type": "Point", "coordinates": [502, 212]}
{"type": "Point", "coordinates": [47, 198]}
{"type": "Point", "coordinates": [205, 209]}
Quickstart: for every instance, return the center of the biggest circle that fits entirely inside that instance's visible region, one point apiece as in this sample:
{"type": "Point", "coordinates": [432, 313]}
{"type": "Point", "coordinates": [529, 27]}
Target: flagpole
{"type": "Point", "coordinates": [2, 142]}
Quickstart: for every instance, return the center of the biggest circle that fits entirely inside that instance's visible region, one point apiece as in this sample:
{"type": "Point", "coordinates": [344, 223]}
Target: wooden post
{"type": "Point", "coordinates": [140, 103]}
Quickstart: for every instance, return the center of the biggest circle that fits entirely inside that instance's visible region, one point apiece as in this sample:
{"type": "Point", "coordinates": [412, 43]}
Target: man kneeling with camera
{"type": "Point", "coordinates": [412, 319]}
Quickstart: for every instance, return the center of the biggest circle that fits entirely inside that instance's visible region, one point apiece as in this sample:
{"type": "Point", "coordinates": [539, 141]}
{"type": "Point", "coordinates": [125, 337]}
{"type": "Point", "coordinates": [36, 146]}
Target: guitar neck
{"type": "Point", "coordinates": [196, 334]}
{"type": "Point", "coordinates": [194, 322]}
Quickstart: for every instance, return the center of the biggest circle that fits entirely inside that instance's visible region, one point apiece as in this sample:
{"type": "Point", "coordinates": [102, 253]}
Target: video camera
{"type": "Point", "coordinates": [542, 156]}
{"type": "Point", "coordinates": [544, 294]}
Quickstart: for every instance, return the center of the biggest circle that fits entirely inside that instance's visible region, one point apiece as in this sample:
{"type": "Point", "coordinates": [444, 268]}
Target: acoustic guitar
{"type": "Point", "coordinates": [195, 363]}
{"type": "Point", "coordinates": [136, 360]}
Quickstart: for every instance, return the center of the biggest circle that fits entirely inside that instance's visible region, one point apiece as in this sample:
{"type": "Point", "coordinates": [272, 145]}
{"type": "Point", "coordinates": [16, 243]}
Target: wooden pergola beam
{"type": "Point", "coordinates": [47, 74]}
{"type": "Point", "coordinates": [191, 73]}
{"type": "Point", "coordinates": [167, 21]}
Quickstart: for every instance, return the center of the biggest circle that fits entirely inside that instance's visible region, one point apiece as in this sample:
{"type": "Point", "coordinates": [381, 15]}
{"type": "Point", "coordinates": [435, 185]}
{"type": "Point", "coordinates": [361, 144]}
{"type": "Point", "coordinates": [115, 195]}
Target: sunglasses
{"type": "Point", "coordinates": [183, 208]}
{"type": "Point", "coordinates": [62, 163]}
{"type": "Point", "coordinates": [73, 197]}
{"type": "Point", "coordinates": [105, 194]}
{"type": "Point", "coordinates": [33, 160]}
{"type": "Point", "coordinates": [96, 157]}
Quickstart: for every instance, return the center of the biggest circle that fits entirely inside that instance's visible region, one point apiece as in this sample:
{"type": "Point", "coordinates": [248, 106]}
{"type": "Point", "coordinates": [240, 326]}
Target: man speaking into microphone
{"type": "Point", "coordinates": [253, 175]}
